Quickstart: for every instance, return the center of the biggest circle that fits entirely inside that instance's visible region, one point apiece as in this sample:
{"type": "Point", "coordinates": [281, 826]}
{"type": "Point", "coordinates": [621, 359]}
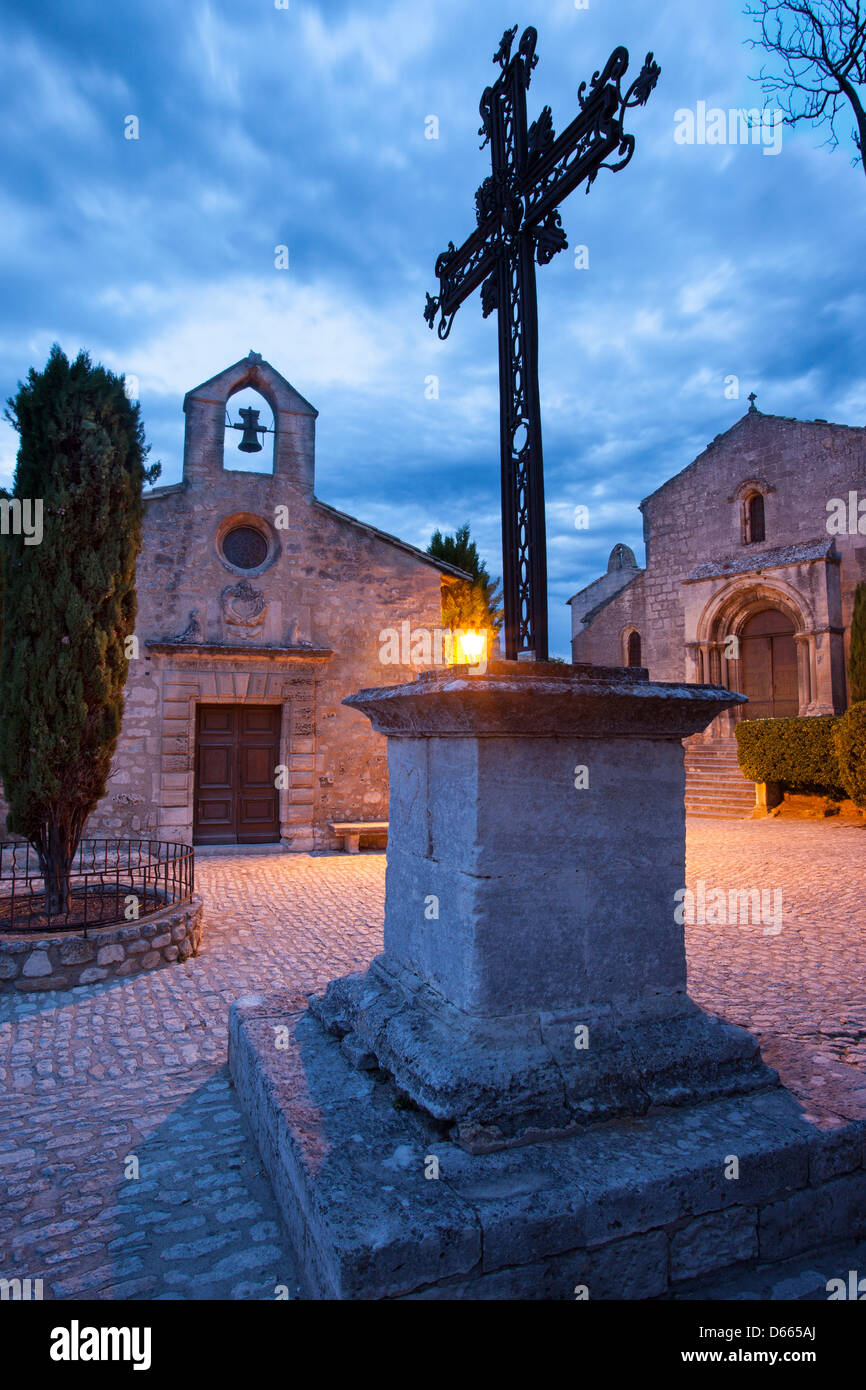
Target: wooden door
{"type": "Point", "coordinates": [236, 757]}
{"type": "Point", "coordinates": [768, 654]}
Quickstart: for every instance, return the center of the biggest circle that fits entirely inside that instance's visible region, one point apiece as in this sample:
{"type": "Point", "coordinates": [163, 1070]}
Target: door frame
{"type": "Point", "coordinates": [185, 679]}
{"type": "Point", "coordinates": [284, 794]}
{"type": "Point", "coordinates": [237, 706]}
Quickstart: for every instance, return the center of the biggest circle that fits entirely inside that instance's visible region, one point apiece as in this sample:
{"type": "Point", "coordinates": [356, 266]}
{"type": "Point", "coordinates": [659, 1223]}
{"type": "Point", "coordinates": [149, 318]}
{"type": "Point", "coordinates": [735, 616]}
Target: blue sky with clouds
{"type": "Point", "coordinates": [305, 126]}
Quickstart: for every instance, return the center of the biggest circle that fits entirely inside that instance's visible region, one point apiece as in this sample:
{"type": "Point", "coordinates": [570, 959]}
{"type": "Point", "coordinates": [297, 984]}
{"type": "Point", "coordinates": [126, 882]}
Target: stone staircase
{"type": "Point", "coordinates": [715, 786]}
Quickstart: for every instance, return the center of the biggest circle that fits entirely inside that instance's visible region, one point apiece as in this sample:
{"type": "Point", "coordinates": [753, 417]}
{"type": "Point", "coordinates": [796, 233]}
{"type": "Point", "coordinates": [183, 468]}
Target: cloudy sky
{"type": "Point", "coordinates": [302, 123]}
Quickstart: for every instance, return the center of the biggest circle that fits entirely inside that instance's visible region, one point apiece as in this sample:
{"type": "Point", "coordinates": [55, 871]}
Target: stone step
{"type": "Point", "coordinates": [718, 794]}
{"type": "Point", "coordinates": [716, 770]}
{"type": "Point", "coordinates": [723, 790]}
{"type": "Point", "coordinates": [715, 785]}
{"type": "Point", "coordinates": [705, 765]}
{"type": "Point", "coordinates": [806, 1278]}
{"type": "Point", "coordinates": [655, 1222]}
{"type": "Point", "coordinates": [731, 783]}
{"type": "Point", "coordinates": [744, 795]}
{"type": "Point", "coordinates": [720, 779]}
{"type": "Point", "coordinates": [729, 774]}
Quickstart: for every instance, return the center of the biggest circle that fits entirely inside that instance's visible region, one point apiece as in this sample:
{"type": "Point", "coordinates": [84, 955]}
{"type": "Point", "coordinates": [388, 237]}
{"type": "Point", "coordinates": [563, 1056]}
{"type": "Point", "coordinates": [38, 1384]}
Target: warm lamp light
{"type": "Point", "coordinates": [473, 644]}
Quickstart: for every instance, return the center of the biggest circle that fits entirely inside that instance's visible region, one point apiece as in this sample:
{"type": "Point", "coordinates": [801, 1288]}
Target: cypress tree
{"type": "Point", "coordinates": [857, 652]}
{"type": "Point", "coordinates": [475, 606]}
{"type": "Point", "coordinates": [69, 603]}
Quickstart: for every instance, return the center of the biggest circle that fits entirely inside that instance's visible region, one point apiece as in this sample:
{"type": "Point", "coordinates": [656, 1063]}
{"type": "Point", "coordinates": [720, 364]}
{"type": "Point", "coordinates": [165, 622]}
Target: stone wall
{"type": "Point", "coordinates": [347, 584]}
{"type": "Point", "coordinates": [696, 516]}
{"type": "Point", "coordinates": [66, 959]}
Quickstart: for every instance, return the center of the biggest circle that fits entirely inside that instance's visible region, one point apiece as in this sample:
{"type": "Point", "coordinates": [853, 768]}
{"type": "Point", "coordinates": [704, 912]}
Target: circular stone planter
{"type": "Point", "coordinates": [30, 963]}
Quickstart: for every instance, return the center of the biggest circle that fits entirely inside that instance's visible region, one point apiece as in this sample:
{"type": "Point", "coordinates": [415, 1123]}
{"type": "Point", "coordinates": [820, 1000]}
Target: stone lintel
{"type": "Point", "coordinates": [220, 650]}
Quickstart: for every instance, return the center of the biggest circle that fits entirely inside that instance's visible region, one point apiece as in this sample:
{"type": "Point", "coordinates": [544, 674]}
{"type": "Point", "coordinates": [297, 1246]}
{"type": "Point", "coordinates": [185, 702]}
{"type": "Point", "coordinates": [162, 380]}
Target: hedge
{"type": "Point", "coordinates": [798, 753]}
{"type": "Point", "coordinates": [851, 752]}
{"type": "Point", "coordinates": [857, 656]}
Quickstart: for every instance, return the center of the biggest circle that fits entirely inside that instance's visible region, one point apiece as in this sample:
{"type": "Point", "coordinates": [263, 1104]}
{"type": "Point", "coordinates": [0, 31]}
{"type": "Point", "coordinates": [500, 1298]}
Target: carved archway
{"type": "Point", "coordinates": [717, 648]}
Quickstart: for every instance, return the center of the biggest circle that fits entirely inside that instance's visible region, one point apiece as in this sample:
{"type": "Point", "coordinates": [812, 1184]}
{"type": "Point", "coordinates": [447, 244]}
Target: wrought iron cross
{"type": "Point", "coordinates": [518, 224]}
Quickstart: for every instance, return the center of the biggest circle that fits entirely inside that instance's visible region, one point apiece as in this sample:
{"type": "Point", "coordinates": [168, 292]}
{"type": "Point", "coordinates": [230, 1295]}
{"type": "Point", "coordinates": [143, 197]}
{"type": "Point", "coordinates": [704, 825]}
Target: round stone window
{"type": "Point", "coordinates": [245, 547]}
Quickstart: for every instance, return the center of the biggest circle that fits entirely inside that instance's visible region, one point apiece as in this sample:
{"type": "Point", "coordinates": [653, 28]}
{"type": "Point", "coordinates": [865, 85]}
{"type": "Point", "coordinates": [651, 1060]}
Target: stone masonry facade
{"type": "Point", "coordinates": [705, 576]}
{"type": "Point", "coordinates": [298, 630]}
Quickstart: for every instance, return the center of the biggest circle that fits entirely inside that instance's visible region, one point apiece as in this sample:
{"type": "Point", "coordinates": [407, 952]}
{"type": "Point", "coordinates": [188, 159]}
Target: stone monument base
{"type": "Point", "coordinates": [380, 1202]}
{"type": "Point", "coordinates": [510, 1080]}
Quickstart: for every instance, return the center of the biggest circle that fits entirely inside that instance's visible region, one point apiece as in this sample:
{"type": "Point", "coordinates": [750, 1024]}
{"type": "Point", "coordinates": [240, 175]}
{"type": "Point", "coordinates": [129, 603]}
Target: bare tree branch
{"type": "Point", "coordinates": [822, 45]}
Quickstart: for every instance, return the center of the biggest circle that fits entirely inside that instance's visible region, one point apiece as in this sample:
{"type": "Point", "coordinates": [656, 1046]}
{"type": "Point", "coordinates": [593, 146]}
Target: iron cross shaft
{"type": "Point", "coordinates": [519, 225]}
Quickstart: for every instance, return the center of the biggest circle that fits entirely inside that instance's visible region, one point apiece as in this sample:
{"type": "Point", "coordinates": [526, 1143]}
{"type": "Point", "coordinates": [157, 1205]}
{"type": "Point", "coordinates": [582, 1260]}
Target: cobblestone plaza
{"type": "Point", "coordinates": [136, 1068]}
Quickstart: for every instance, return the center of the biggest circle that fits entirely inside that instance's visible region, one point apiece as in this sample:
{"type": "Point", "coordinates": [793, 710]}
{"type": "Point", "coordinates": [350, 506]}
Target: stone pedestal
{"type": "Point", "coordinates": [768, 795]}
{"type": "Point", "coordinates": [534, 973]}
{"type": "Point", "coordinates": [433, 1126]}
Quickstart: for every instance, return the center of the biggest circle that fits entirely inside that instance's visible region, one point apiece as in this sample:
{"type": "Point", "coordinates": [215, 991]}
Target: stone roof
{"type": "Point", "coordinates": [800, 554]}
{"type": "Point", "coordinates": [413, 550]}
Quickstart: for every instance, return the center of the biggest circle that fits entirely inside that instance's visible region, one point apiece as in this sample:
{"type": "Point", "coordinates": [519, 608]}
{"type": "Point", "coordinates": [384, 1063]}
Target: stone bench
{"type": "Point", "coordinates": [350, 832]}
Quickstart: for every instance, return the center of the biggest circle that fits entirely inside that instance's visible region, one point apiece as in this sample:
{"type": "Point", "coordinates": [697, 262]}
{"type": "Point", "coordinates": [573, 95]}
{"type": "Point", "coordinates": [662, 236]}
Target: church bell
{"type": "Point", "coordinates": [252, 429]}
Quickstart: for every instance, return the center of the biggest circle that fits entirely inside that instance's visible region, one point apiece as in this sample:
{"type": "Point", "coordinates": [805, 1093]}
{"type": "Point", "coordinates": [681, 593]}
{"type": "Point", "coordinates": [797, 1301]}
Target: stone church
{"type": "Point", "coordinates": [753, 553]}
{"type": "Point", "coordinates": [259, 608]}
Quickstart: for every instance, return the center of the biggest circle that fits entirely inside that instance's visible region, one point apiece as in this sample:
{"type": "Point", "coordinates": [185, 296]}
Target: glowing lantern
{"type": "Point", "coordinates": [474, 645]}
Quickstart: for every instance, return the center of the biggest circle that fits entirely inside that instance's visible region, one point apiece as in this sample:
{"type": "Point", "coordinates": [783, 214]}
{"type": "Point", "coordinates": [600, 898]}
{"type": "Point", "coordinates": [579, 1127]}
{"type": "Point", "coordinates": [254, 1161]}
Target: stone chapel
{"type": "Point", "coordinates": [753, 553]}
{"type": "Point", "coordinates": [259, 608]}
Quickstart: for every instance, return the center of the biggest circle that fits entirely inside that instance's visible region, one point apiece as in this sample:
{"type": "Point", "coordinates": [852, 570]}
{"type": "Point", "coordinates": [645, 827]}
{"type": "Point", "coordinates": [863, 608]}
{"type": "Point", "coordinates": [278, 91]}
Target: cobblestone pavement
{"type": "Point", "coordinates": [136, 1069]}
{"type": "Point", "coordinates": [802, 991]}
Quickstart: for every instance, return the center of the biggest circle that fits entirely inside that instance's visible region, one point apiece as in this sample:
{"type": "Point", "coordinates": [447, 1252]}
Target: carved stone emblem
{"type": "Point", "coordinates": [243, 608]}
{"type": "Point", "coordinates": [192, 631]}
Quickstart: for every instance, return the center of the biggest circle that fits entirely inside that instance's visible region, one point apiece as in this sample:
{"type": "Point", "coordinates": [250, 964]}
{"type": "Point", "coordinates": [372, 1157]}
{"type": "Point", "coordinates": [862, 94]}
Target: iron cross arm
{"type": "Point", "coordinates": [462, 271]}
{"type": "Point", "coordinates": [553, 167]}
{"type": "Point", "coordinates": [557, 166]}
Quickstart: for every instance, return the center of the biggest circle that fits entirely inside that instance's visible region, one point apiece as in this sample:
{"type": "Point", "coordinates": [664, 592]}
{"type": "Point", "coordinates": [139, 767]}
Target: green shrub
{"type": "Point", "coordinates": [798, 753]}
{"type": "Point", "coordinates": [851, 752]}
{"type": "Point", "coordinates": [857, 656]}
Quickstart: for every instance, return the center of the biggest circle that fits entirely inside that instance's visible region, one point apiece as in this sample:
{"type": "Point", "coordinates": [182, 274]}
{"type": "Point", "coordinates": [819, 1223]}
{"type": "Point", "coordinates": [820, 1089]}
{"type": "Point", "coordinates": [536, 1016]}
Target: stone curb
{"type": "Point", "coordinates": [68, 959]}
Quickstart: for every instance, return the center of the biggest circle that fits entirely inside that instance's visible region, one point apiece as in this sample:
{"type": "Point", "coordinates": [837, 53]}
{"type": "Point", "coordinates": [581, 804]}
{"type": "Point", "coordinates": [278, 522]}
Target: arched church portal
{"type": "Point", "coordinates": [768, 665]}
{"type": "Point", "coordinates": [759, 639]}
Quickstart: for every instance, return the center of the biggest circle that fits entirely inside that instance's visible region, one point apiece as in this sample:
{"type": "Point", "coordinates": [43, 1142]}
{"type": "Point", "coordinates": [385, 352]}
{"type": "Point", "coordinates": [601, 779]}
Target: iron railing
{"type": "Point", "coordinates": [110, 882]}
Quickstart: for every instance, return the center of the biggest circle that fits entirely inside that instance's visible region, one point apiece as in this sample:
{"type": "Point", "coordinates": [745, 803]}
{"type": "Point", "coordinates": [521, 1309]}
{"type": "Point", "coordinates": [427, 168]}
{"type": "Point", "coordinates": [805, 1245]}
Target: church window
{"type": "Point", "coordinates": [755, 527]}
{"type": "Point", "coordinates": [245, 548]}
{"type": "Point", "coordinates": [634, 649]}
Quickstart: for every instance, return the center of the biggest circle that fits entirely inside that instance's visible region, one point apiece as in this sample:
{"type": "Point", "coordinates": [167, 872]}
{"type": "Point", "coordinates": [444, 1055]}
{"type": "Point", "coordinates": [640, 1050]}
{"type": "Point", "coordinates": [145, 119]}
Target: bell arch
{"type": "Point", "coordinates": [205, 408]}
{"type": "Point", "coordinates": [251, 418]}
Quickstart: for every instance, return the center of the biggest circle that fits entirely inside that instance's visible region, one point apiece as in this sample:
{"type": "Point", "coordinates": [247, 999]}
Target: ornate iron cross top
{"type": "Point", "coordinates": [519, 224]}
